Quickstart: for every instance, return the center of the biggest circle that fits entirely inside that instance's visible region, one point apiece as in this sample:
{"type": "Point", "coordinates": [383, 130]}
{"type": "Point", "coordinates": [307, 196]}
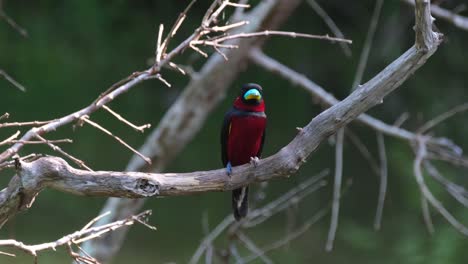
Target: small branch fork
{"type": "Point", "coordinates": [78, 237]}
{"type": "Point", "coordinates": [421, 155]}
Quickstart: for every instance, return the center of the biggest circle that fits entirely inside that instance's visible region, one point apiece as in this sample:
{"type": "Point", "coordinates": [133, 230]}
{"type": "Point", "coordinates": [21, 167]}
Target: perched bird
{"type": "Point", "coordinates": [242, 137]}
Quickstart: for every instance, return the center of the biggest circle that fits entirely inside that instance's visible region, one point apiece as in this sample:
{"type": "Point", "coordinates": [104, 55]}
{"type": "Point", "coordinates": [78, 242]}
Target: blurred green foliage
{"type": "Point", "coordinates": [76, 49]}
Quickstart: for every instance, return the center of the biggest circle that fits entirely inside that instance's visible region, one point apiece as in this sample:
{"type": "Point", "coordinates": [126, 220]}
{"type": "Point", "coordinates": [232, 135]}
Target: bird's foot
{"type": "Point", "coordinates": [229, 169]}
{"type": "Point", "coordinates": [254, 161]}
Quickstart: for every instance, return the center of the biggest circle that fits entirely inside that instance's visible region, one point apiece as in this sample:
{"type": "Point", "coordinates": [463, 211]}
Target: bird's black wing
{"type": "Point", "coordinates": [225, 134]}
{"type": "Point", "coordinates": [259, 153]}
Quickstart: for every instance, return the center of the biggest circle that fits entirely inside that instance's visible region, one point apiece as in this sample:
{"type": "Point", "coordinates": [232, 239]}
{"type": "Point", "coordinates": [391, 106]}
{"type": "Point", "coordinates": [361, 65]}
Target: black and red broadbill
{"type": "Point", "coordinates": [242, 138]}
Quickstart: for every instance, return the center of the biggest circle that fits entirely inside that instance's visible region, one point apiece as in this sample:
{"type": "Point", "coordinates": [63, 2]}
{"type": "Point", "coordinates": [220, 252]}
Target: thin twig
{"type": "Point", "coordinates": [401, 119]}
{"type": "Point", "coordinates": [269, 33]}
{"type": "Point", "coordinates": [21, 124]}
{"type": "Point", "coordinates": [125, 121]}
{"type": "Point", "coordinates": [95, 219]}
{"type": "Point", "coordinates": [30, 142]}
{"type": "Point", "coordinates": [10, 138]}
{"type": "Point", "coordinates": [421, 153]}
{"type": "Point", "coordinates": [7, 254]}
{"type": "Point", "coordinates": [240, 10]}
{"type": "Point", "coordinates": [250, 245]}
{"type": "Point", "coordinates": [293, 235]}
{"type": "Point", "coordinates": [175, 27]}
{"type": "Point", "coordinates": [75, 237]}
{"type": "Point", "coordinates": [229, 27]}
{"type": "Point", "coordinates": [336, 189]}
{"type": "Point", "coordinates": [331, 24]}
{"type": "Point", "coordinates": [159, 48]}
{"type": "Point", "coordinates": [362, 148]}
{"type": "Point", "coordinates": [427, 215]}
{"type": "Point", "coordinates": [9, 78]}
{"type": "Point", "coordinates": [99, 127]}
{"type": "Point", "coordinates": [456, 191]}
{"type": "Point", "coordinates": [293, 196]}
{"type": "Point", "coordinates": [5, 116]}
{"type": "Point", "coordinates": [23, 32]}
{"type": "Point", "coordinates": [442, 117]}
{"type": "Point", "coordinates": [367, 44]}
{"type": "Point", "coordinates": [383, 181]}
{"type": "Point", "coordinates": [61, 151]}
{"type": "Point", "coordinates": [447, 15]}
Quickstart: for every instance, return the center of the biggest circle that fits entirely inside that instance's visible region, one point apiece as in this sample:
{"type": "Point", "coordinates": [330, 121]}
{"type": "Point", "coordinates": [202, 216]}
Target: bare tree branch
{"type": "Point", "coordinates": [125, 121]}
{"type": "Point", "coordinates": [456, 191]}
{"type": "Point", "coordinates": [383, 181]}
{"type": "Point", "coordinates": [421, 153]}
{"type": "Point", "coordinates": [78, 237]}
{"type": "Point", "coordinates": [8, 77]}
{"type": "Point", "coordinates": [367, 44]}
{"type": "Point", "coordinates": [284, 241]}
{"type": "Point", "coordinates": [12, 22]}
{"type": "Point", "coordinates": [442, 117]}
{"type": "Point", "coordinates": [121, 141]}
{"type": "Point", "coordinates": [4, 116]}
{"type": "Point", "coordinates": [447, 15]}
{"type": "Point", "coordinates": [336, 189]}
{"type": "Point", "coordinates": [331, 24]}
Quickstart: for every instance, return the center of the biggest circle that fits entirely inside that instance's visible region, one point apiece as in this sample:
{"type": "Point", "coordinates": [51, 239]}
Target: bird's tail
{"type": "Point", "coordinates": [240, 202]}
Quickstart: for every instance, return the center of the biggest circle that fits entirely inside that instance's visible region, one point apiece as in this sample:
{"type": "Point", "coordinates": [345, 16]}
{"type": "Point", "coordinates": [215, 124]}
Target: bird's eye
{"type": "Point", "coordinates": [252, 94]}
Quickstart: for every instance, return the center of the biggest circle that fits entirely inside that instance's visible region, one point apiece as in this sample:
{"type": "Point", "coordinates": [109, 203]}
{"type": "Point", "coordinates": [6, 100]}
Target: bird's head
{"type": "Point", "coordinates": [251, 94]}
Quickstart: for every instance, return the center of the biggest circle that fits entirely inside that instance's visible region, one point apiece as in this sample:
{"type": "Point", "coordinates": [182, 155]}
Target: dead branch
{"type": "Point", "coordinates": [4, 74]}
{"type": "Point", "coordinates": [383, 181]}
{"type": "Point", "coordinates": [331, 24]}
{"type": "Point", "coordinates": [285, 240]}
{"type": "Point", "coordinates": [56, 148]}
{"type": "Point", "coordinates": [421, 153]}
{"type": "Point", "coordinates": [4, 116]}
{"type": "Point", "coordinates": [12, 22]}
{"type": "Point", "coordinates": [125, 121]}
{"type": "Point", "coordinates": [367, 44]}
{"type": "Point", "coordinates": [20, 124]}
{"type": "Point", "coordinates": [78, 237]}
{"type": "Point", "coordinates": [121, 141]}
{"type": "Point", "coordinates": [442, 117]}
{"type": "Point", "coordinates": [447, 15]}
{"type": "Point", "coordinates": [456, 191]}
{"type": "Point", "coordinates": [217, 41]}
{"type": "Point", "coordinates": [336, 189]}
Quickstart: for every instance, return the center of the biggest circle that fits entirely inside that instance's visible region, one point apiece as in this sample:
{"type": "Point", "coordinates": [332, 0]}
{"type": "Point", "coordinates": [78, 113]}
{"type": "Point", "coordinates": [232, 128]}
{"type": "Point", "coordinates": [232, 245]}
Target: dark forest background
{"type": "Point", "coordinates": [76, 49]}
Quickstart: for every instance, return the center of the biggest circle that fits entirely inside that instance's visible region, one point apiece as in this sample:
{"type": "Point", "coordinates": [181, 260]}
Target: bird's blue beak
{"type": "Point", "coordinates": [252, 94]}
